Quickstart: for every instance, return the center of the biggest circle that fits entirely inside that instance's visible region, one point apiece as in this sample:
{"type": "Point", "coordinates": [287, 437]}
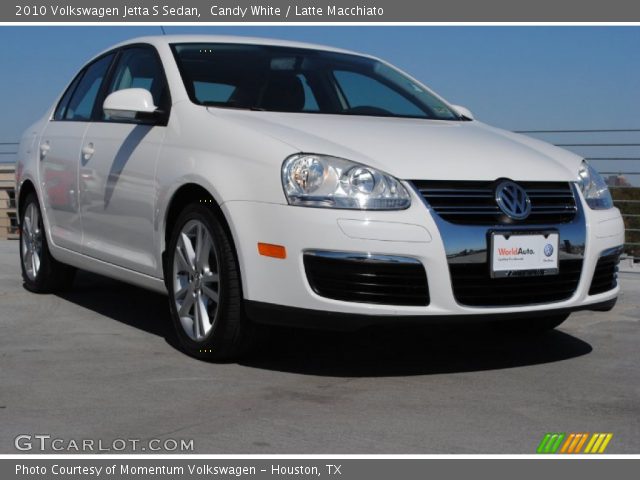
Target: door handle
{"type": "Point", "coordinates": [44, 149]}
{"type": "Point", "coordinates": [88, 151]}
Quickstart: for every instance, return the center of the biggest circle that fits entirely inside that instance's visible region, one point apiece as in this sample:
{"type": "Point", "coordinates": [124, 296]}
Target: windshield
{"type": "Point", "coordinates": [283, 79]}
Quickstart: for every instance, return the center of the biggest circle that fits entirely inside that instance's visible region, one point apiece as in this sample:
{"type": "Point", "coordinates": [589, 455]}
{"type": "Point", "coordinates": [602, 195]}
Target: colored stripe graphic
{"type": "Point", "coordinates": [605, 444]}
{"type": "Point", "coordinates": [573, 443]}
{"type": "Point", "coordinates": [543, 443]}
{"type": "Point", "coordinates": [556, 444]}
{"type": "Point", "coordinates": [598, 443]}
{"type": "Point", "coordinates": [591, 442]}
{"type": "Point", "coordinates": [550, 443]}
{"type": "Point", "coordinates": [576, 439]}
{"type": "Point", "coordinates": [581, 442]}
{"type": "Point", "coordinates": [565, 447]}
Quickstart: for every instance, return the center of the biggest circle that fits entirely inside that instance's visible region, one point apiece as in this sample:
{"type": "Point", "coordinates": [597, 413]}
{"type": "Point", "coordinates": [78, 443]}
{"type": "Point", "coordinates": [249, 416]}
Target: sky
{"type": "Point", "coordinates": [518, 78]}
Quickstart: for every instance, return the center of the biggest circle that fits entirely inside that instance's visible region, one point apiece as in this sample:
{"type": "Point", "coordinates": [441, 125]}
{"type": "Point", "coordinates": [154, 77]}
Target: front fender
{"type": "Point", "coordinates": [27, 162]}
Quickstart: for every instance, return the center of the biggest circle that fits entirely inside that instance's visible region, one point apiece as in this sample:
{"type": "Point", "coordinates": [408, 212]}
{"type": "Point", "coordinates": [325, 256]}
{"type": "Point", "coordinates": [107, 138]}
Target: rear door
{"type": "Point", "coordinates": [117, 173]}
{"type": "Point", "coordinates": [60, 147]}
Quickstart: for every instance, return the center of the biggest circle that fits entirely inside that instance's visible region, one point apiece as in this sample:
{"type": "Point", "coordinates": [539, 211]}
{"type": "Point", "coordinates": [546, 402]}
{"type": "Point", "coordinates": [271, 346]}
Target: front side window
{"type": "Point", "coordinates": [139, 67]}
{"type": "Point", "coordinates": [283, 79]}
{"type": "Point", "coordinates": [81, 104]}
{"type": "Point", "coordinates": [64, 101]}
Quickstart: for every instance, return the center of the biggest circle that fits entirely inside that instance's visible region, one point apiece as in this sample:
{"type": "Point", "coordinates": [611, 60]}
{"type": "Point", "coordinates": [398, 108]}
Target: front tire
{"type": "Point", "coordinates": [40, 271]}
{"type": "Point", "coordinates": [205, 294]}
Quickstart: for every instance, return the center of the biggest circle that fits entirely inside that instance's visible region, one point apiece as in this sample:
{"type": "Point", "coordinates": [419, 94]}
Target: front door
{"type": "Point", "coordinates": [117, 171]}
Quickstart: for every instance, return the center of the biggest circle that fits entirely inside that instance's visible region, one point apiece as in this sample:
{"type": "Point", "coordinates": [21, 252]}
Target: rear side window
{"type": "Point", "coordinates": [140, 68]}
{"type": "Point", "coordinates": [83, 98]}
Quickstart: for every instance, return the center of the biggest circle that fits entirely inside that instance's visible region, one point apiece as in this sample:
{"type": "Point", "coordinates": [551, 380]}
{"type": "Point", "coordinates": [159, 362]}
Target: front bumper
{"type": "Point", "coordinates": [415, 232]}
{"type": "Point", "coordinates": [270, 314]}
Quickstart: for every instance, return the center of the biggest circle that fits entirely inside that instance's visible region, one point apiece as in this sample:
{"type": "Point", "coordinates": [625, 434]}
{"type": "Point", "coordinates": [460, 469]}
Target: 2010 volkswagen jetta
{"type": "Point", "coordinates": [267, 181]}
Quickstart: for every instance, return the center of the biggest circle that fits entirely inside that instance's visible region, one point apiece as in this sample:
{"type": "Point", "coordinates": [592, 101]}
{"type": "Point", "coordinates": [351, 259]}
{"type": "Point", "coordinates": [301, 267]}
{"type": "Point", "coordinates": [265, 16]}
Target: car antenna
{"type": "Point", "coordinates": [162, 28]}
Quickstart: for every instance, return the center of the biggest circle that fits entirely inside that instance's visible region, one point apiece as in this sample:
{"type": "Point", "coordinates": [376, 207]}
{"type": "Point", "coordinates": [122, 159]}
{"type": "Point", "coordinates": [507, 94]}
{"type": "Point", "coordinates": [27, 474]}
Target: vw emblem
{"type": "Point", "coordinates": [513, 200]}
{"type": "Point", "coordinates": [548, 249]}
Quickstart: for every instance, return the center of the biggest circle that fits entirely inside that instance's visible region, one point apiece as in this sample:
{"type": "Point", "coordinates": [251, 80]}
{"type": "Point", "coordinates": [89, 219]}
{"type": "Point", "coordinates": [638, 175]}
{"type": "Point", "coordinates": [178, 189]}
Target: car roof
{"type": "Point", "coordinates": [158, 40]}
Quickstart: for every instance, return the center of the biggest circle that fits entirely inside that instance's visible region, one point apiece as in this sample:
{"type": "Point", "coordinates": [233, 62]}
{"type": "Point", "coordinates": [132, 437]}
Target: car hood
{"type": "Point", "coordinates": [415, 148]}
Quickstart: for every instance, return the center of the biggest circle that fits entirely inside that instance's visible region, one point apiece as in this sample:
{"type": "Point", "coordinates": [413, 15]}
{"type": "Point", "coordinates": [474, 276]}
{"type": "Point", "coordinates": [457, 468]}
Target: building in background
{"type": "Point", "coordinates": [617, 181]}
{"type": "Point", "coordinates": [8, 219]}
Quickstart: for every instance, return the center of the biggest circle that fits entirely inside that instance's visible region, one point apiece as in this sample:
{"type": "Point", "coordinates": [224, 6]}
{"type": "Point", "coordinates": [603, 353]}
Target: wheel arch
{"type": "Point", "coordinates": [187, 194]}
{"type": "Point", "coordinates": [25, 188]}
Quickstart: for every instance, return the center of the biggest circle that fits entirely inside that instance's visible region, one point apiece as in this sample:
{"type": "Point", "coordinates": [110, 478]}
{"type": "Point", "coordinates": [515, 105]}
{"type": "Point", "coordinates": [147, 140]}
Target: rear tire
{"type": "Point", "coordinates": [205, 292]}
{"type": "Point", "coordinates": [40, 271]}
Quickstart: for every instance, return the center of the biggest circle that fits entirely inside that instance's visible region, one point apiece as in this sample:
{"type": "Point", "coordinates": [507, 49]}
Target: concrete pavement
{"type": "Point", "coordinates": [95, 363]}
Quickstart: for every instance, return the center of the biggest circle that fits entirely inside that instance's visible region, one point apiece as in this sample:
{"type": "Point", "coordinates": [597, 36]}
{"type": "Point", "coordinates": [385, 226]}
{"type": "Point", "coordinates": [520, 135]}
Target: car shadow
{"type": "Point", "coordinates": [406, 351]}
{"type": "Point", "coordinates": [136, 307]}
{"type": "Point", "coordinates": [131, 142]}
{"type": "Point", "coordinates": [372, 352]}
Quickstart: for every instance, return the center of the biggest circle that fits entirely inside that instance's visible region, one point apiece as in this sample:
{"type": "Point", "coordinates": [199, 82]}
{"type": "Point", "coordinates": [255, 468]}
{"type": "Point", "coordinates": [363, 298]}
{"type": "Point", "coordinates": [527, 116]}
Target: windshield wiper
{"type": "Point", "coordinates": [234, 107]}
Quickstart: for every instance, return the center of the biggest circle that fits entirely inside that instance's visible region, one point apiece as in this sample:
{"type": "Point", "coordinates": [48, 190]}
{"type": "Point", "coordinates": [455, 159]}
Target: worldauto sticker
{"type": "Point", "coordinates": [515, 251]}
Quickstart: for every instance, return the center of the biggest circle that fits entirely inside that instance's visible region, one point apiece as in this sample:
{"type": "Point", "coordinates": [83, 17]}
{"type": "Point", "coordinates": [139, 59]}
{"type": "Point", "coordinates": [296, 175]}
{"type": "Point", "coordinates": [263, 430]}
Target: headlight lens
{"type": "Point", "coordinates": [323, 181]}
{"type": "Point", "coordinates": [594, 188]}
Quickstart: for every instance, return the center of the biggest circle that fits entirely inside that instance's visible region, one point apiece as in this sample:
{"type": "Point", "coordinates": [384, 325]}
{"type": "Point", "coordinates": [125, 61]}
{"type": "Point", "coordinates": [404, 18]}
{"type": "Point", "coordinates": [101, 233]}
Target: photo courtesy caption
{"type": "Point", "coordinates": [213, 470]}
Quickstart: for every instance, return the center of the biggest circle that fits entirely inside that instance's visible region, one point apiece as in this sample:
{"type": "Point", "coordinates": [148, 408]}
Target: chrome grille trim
{"type": "Point", "coordinates": [473, 202]}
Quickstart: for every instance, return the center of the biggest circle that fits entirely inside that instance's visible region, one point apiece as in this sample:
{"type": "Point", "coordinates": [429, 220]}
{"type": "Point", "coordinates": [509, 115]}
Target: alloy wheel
{"type": "Point", "coordinates": [196, 282]}
{"type": "Point", "coordinates": [31, 241]}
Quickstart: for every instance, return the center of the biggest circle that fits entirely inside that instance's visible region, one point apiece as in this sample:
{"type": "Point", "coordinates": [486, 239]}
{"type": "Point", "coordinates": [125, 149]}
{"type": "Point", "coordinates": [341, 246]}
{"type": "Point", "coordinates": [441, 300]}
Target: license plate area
{"type": "Point", "coordinates": [523, 254]}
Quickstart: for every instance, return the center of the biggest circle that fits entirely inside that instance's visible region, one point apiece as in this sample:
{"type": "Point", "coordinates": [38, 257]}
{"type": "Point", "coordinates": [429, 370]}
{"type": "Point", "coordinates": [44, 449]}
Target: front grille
{"type": "Point", "coordinates": [367, 279]}
{"type": "Point", "coordinates": [473, 286]}
{"type": "Point", "coordinates": [473, 203]}
{"type": "Point", "coordinates": [605, 277]}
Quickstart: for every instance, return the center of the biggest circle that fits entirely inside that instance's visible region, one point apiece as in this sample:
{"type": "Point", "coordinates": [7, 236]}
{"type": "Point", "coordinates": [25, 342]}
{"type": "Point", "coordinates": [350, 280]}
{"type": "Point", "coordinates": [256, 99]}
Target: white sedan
{"type": "Point", "coordinates": [262, 181]}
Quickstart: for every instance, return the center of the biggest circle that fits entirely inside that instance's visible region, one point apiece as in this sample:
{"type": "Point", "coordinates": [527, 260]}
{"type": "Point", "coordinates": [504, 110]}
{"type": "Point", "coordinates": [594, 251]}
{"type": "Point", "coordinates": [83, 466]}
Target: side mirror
{"type": "Point", "coordinates": [128, 103]}
{"type": "Point", "coordinates": [464, 111]}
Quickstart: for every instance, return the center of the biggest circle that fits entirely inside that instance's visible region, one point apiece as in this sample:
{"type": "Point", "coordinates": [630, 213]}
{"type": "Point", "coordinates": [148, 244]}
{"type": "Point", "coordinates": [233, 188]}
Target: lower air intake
{"type": "Point", "coordinates": [382, 280]}
{"type": "Point", "coordinates": [473, 285]}
{"type": "Point", "coordinates": [605, 277]}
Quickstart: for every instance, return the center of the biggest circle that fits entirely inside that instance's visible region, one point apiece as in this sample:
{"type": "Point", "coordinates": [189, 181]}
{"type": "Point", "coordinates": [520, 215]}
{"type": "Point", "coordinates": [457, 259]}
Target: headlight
{"type": "Point", "coordinates": [322, 181]}
{"type": "Point", "coordinates": [594, 188]}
